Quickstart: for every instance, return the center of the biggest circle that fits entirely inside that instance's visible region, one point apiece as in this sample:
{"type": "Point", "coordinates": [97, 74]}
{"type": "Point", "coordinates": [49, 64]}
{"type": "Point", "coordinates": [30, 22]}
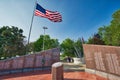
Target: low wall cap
{"type": "Point", "coordinates": [57, 64]}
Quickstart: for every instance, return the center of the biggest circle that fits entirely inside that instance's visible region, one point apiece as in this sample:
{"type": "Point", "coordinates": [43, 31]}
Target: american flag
{"type": "Point", "coordinates": [53, 16]}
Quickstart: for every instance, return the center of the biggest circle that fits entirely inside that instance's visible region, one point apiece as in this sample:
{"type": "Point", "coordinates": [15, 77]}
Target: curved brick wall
{"type": "Point", "coordinates": [104, 59]}
{"type": "Point", "coordinates": [37, 60]}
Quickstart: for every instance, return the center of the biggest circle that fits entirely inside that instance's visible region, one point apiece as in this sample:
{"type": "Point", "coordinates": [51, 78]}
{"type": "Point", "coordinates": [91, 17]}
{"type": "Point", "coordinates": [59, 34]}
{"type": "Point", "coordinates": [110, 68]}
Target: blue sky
{"type": "Point", "coordinates": [81, 18]}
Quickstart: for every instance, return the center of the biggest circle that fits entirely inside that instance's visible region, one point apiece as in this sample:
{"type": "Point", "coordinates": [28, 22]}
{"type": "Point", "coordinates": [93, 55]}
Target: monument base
{"type": "Point", "coordinates": [103, 74]}
{"type": "Point", "coordinates": [77, 60]}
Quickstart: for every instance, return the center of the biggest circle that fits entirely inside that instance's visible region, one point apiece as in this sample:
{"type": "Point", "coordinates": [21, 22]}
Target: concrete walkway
{"type": "Point", "coordinates": [46, 75]}
{"type": "Point", "coordinates": [73, 67]}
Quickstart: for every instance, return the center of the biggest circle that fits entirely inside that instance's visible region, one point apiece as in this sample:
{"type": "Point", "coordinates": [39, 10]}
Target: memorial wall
{"type": "Point", "coordinates": [102, 58]}
{"type": "Point", "coordinates": [36, 60]}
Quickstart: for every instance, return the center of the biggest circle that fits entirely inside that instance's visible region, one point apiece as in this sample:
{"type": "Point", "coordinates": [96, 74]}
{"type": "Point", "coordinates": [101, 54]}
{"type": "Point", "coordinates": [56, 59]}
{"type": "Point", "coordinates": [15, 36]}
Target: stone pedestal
{"type": "Point", "coordinates": [57, 71]}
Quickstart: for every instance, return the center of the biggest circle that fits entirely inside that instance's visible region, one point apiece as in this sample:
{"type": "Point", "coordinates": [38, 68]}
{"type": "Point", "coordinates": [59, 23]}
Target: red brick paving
{"type": "Point", "coordinates": [46, 75]}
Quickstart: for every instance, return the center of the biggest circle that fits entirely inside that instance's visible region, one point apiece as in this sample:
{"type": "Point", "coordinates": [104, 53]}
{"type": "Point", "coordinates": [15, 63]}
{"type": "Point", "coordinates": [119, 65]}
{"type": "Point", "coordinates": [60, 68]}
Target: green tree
{"type": "Point", "coordinates": [48, 43]}
{"type": "Point", "coordinates": [95, 39]}
{"type": "Point", "coordinates": [111, 34]}
{"type": "Point", "coordinates": [11, 41]}
{"type": "Point", "coordinates": [72, 48]}
{"type": "Point", "coordinates": [115, 29]}
{"type": "Point", "coordinates": [67, 47]}
{"type": "Point", "coordinates": [79, 47]}
{"type": "Point", "coordinates": [106, 34]}
{"type": "Point", "coordinates": [30, 47]}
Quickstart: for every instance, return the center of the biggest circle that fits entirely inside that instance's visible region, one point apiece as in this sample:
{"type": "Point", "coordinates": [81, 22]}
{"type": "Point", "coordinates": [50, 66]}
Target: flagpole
{"type": "Point", "coordinates": [31, 24]}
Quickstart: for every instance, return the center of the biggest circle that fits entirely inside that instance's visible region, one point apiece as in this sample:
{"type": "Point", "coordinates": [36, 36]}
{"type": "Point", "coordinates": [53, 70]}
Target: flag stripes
{"type": "Point", "coordinates": [53, 16]}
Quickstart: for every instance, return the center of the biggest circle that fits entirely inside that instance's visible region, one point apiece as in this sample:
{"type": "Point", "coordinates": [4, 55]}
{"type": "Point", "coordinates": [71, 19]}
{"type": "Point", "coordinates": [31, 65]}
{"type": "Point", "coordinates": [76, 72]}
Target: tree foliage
{"type": "Point", "coordinates": [79, 46]}
{"type": "Point", "coordinates": [48, 43]}
{"type": "Point", "coordinates": [11, 42]}
{"type": "Point", "coordinates": [111, 33]}
{"type": "Point", "coordinates": [96, 39]}
{"type": "Point", "coordinates": [69, 47]}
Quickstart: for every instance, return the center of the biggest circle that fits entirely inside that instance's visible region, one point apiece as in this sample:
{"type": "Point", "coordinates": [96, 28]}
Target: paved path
{"type": "Point", "coordinates": [71, 72]}
{"type": "Point", "coordinates": [73, 67]}
{"type": "Point", "coordinates": [46, 75]}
